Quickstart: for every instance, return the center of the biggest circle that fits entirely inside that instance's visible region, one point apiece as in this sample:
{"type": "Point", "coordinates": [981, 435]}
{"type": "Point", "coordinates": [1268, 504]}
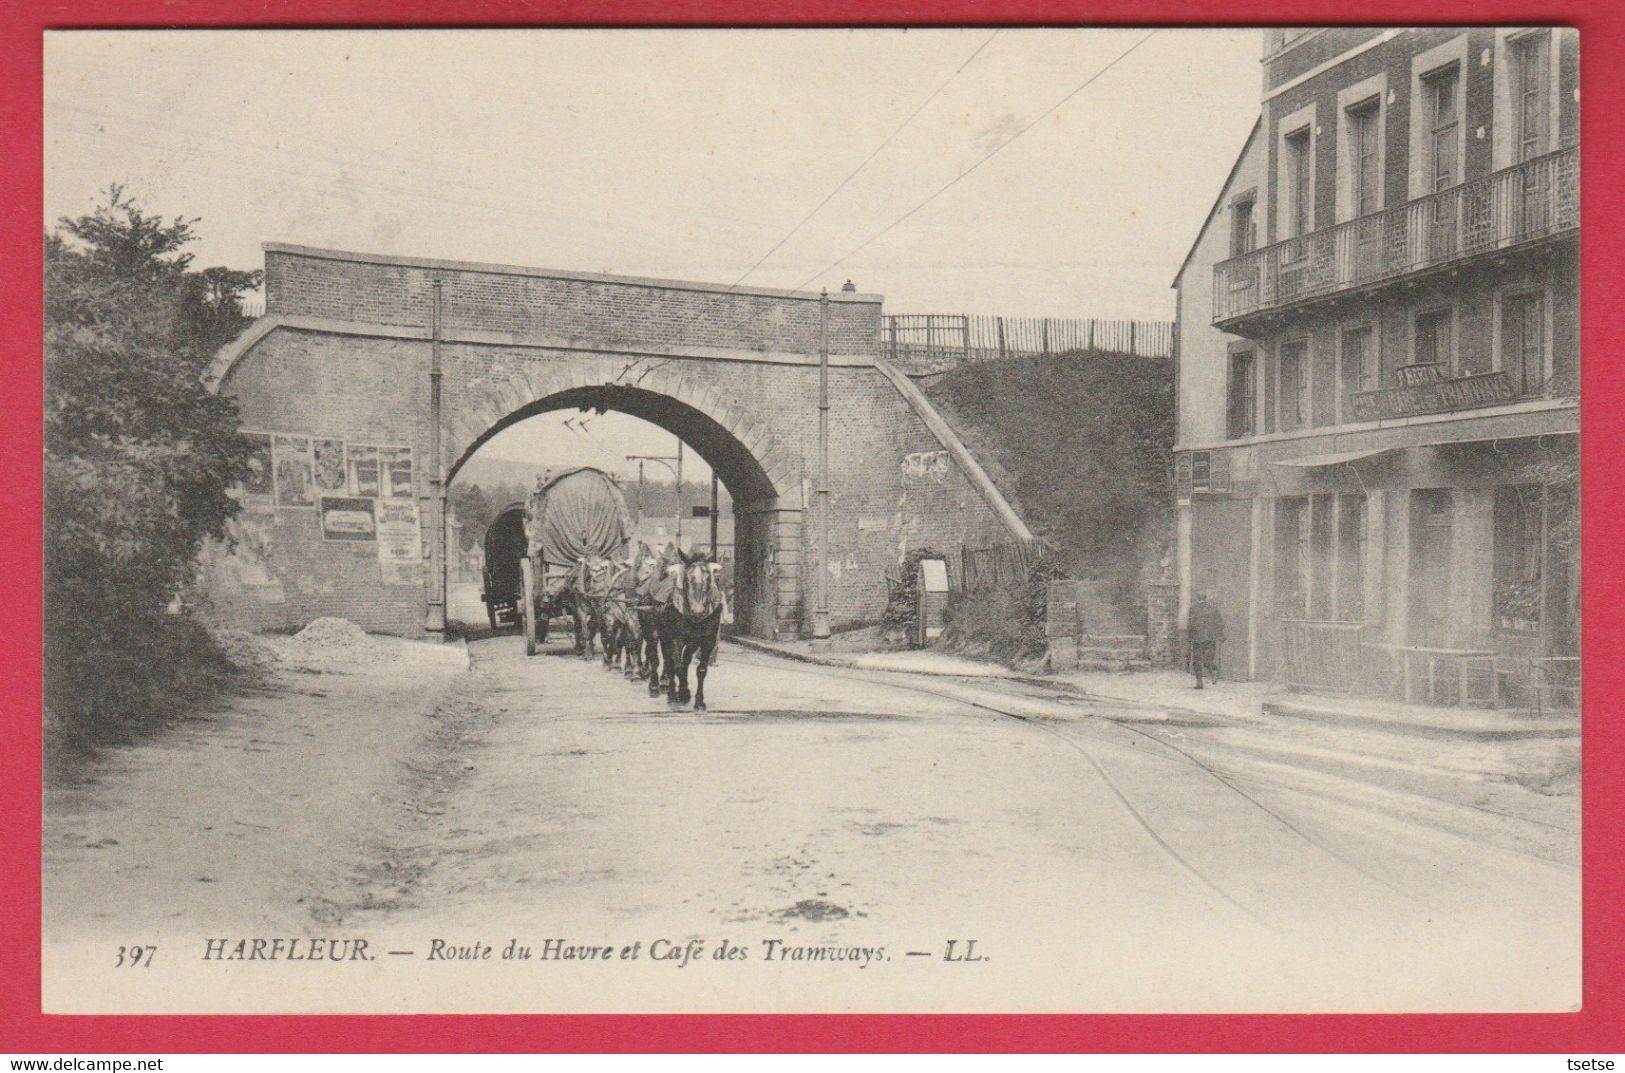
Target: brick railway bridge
{"type": "Point", "coordinates": [336, 382]}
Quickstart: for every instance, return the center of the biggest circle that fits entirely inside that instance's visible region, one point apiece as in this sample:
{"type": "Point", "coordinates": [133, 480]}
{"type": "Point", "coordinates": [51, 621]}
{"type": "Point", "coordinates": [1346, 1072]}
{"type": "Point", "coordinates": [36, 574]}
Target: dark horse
{"type": "Point", "coordinates": [624, 632]}
{"type": "Point", "coordinates": [690, 622]}
{"type": "Point", "coordinates": [590, 584]}
{"type": "Point", "coordinates": [651, 592]}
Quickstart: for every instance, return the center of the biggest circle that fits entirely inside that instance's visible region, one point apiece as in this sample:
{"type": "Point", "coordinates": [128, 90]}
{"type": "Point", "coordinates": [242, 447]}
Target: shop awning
{"type": "Point", "coordinates": [1337, 459]}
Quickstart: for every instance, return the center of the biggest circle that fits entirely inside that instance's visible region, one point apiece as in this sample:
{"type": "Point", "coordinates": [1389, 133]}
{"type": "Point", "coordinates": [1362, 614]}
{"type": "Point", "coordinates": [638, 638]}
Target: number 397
{"type": "Point", "coordinates": [134, 956]}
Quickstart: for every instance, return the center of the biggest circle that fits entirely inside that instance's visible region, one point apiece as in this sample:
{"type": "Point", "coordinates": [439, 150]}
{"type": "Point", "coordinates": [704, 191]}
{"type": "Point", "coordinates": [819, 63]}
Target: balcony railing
{"type": "Point", "coordinates": [1519, 204]}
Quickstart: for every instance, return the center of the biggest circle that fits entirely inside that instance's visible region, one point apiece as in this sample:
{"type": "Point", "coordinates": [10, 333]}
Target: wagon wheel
{"type": "Point", "coordinates": [527, 608]}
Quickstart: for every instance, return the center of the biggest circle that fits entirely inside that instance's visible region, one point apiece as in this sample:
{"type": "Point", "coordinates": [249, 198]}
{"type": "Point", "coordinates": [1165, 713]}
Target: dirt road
{"type": "Point", "coordinates": [1100, 858]}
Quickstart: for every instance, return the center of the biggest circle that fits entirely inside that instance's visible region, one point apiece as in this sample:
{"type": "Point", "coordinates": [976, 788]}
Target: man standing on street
{"type": "Point", "coordinates": [1206, 630]}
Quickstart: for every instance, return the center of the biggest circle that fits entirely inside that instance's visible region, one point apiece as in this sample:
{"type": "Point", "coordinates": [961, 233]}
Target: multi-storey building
{"type": "Point", "coordinates": [1378, 367]}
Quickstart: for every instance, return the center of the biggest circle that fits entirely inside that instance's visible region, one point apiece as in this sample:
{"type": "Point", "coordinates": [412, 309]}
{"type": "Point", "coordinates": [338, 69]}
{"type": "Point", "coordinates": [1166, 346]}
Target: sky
{"type": "Point", "coordinates": [688, 154]}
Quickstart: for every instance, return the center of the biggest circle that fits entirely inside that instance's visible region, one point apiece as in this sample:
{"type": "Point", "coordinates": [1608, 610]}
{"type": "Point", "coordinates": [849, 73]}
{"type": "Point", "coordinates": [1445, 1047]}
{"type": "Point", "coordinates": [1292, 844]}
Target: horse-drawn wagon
{"type": "Point", "coordinates": [571, 517]}
{"type": "Point", "coordinates": [502, 579]}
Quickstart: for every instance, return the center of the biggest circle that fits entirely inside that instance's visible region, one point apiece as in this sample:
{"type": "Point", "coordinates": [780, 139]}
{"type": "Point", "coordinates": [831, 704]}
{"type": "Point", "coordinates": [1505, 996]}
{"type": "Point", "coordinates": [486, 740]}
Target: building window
{"type": "Point", "coordinates": [1300, 177]}
{"type": "Point", "coordinates": [1320, 557]}
{"type": "Point", "coordinates": [1531, 86]}
{"type": "Point", "coordinates": [1284, 38]}
{"type": "Point", "coordinates": [1293, 391]}
{"type": "Point", "coordinates": [1431, 558]}
{"type": "Point", "coordinates": [1519, 553]}
{"type": "Point", "coordinates": [1356, 362]}
{"type": "Point", "coordinates": [1292, 559]}
{"type": "Point", "coordinates": [1523, 342]}
{"type": "Point", "coordinates": [1432, 340]}
{"type": "Point", "coordinates": [1443, 123]}
{"type": "Point", "coordinates": [1349, 588]}
{"type": "Point", "coordinates": [1365, 175]}
{"type": "Point", "coordinates": [1242, 390]}
{"type": "Point", "coordinates": [1243, 226]}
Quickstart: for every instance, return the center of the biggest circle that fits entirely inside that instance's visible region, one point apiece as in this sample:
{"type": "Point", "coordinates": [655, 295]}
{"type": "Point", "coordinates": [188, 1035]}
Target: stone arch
{"type": "Point", "coordinates": [762, 479]}
{"type": "Point", "coordinates": [740, 450]}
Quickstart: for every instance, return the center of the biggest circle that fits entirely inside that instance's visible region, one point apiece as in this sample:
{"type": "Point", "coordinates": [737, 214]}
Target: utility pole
{"type": "Point", "coordinates": [714, 506]}
{"type": "Point", "coordinates": [435, 619]}
{"type": "Point", "coordinates": [639, 523]}
{"type": "Point", "coordinates": [821, 611]}
{"type": "Point", "coordinates": [677, 471]}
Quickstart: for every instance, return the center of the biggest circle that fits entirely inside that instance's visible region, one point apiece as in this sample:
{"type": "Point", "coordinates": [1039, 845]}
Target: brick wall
{"type": "Point", "coordinates": [894, 486]}
{"type": "Point", "coordinates": [1162, 622]}
{"type": "Point", "coordinates": [1393, 59]}
{"type": "Point", "coordinates": [603, 311]}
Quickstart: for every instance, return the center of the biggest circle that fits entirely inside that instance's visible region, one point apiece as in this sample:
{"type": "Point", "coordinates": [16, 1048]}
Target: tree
{"type": "Point", "coordinates": [138, 454]}
{"type": "Point", "coordinates": [472, 508]}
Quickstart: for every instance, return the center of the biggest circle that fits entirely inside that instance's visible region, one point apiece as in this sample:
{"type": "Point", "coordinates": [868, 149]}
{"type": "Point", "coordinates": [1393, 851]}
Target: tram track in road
{"type": "Point", "coordinates": [1135, 813]}
{"type": "Point", "coordinates": [1245, 786]}
{"type": "Point", "coordinates": [1225, 779]}
{"type": "Point", "coordinates": [1229, 779]}
{"type": "Point", "coordinates": [1113, 787]}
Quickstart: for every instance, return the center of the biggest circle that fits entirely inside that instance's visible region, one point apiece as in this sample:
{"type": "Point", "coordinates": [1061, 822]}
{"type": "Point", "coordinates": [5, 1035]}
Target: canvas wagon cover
{"type": "Point", "coordinates": [578, 513]}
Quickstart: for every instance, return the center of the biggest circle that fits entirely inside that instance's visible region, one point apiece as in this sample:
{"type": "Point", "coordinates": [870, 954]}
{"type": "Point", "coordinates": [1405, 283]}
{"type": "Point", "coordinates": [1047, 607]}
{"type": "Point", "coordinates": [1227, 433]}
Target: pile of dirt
{"type": "Point", "coordinates": [328, 643]}
{"type": "Point", "coordinates": [333, 633]}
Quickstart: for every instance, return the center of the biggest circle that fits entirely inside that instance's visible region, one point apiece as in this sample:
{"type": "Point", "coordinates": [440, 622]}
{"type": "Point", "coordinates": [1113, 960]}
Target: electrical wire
{"type": "Point", "coordinates": [951, 183]}
{"type": "Point", "coordinates": [887, 140]}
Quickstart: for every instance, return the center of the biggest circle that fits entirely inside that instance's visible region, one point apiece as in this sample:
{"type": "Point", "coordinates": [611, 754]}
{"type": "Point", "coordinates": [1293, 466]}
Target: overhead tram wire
{"type": "Point", "coordinates": [682, 330]}
{"type": "Point", "coordinates": [853, 174]}
{"type": "Point", "coordinates": [951, 183]}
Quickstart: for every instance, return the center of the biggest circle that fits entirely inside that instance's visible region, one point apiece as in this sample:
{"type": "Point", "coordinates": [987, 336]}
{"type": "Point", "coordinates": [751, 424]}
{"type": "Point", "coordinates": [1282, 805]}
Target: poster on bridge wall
{"type": "Point", "coordinates": [399, 543]}
{"type": "Point", "coordinates": [348, 518]}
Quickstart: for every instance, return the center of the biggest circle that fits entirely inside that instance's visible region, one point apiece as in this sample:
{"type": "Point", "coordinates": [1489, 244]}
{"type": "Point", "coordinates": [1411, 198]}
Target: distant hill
{"type": "Point", "coordinates": [489, 472]}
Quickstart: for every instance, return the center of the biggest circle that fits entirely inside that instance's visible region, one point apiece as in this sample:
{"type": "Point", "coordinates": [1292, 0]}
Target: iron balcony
{"type": "Point", "coordinates": [1514, 207]}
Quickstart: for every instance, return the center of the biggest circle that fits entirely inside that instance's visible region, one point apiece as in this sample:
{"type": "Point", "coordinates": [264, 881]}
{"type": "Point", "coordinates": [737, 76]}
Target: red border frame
{"type": "Point", "coordinates": [1598, 1028]}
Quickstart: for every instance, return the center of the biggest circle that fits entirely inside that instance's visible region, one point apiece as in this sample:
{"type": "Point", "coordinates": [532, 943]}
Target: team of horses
{"type": "Point", "coordinates": [652, 614]}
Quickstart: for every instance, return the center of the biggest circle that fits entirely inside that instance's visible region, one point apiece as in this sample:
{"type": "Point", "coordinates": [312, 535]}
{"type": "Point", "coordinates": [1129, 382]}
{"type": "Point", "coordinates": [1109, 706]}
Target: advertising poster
{"type": "Point", "coordinates": [348, 518]}
{"type": "Point", "coordinates": [363, 470]}
{"type": "Point", "coordinates": [397, 472]}
{"type": "Point", "coordinates": [398, 541]}
{"type": "Point", "coordinates": [327, 457]}
{"type": "Point", "coordinates": [260, 483]}
{"type": "Point", "coordinates": [294, 484]}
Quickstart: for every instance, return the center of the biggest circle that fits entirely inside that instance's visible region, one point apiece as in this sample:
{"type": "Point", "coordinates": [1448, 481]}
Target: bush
{"type": "Point", "coordinates": [139, 457]}
{"type": "Point", "coordinates": [1003, 622]}
{"type": "Point", "coordinates": [111, 689]}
